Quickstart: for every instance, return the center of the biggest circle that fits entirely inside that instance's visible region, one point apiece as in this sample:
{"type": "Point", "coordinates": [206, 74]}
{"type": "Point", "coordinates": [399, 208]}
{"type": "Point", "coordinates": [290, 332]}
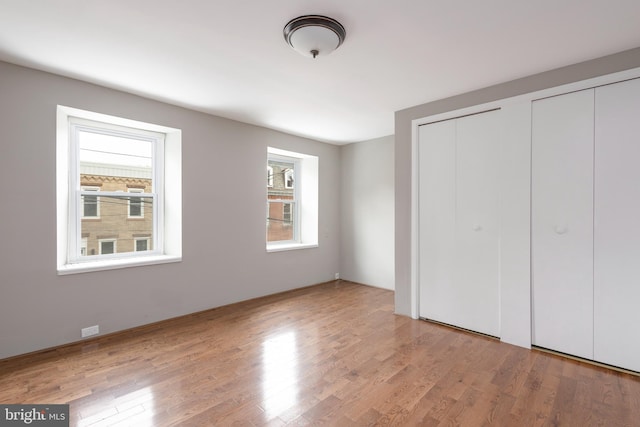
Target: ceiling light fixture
{"type": "Point", "coordinates": [314, 35]}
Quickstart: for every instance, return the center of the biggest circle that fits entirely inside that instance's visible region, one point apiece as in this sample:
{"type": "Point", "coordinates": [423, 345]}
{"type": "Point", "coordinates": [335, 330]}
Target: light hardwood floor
{"type": "Point", "coordinates": [332, 354]}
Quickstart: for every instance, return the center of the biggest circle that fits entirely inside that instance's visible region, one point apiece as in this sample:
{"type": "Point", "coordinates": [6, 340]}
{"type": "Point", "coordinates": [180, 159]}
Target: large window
{"type": "Point", "coordinates": [127, 165]}
{"type": "Point", "coordinates": [115, 196]}
{"type": "Point", "coordinates": [136, 203]}
{"type": "Point", "coordinates": [292, 200]}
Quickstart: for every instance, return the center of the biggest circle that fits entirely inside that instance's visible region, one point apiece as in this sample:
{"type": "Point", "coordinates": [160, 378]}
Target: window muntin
{"type": "Point", "coordinates": [126, 165]}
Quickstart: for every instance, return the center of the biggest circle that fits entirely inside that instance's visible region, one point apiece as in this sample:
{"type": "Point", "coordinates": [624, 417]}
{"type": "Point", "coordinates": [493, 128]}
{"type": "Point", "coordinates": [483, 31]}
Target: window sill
{"type": "Point", "coordinates": [112, 264]}
{"type": "Point", "coordinates": [279, 247]}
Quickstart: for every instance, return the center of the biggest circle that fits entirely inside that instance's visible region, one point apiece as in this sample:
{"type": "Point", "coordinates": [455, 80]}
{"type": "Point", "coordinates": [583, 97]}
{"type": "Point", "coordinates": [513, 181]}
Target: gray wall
{"type": "Point", "coordinates": [403, 166]}
{"type": "Point", "coordinates": [224, 257]}
{"type": "Point", "coordinates": [367, 205]}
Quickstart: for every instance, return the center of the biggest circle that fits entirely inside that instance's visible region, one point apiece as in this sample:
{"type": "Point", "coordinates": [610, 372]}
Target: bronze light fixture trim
{"type": "Point", "coordinates": [314, 35]}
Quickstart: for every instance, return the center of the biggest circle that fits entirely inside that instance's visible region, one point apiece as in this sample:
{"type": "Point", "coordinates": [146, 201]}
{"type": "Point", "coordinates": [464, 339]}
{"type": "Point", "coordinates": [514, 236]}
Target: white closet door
{"type": "Point", "coordinates": [562, 223]}
{"type": "Point", "coordinates": [617, 225]}
{"type": "Point", "coordinates": [437, 218]}
{"type": "Point", "coordinates": [477, 242]}
{"type": "Point", "coordinates": [459, 222]}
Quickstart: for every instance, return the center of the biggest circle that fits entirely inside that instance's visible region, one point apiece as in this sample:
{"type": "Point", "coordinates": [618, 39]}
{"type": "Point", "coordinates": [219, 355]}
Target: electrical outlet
{"type": "Point", "coordinates": [337, 276]}
{"type": "Point", "coordinates": [91, 330]}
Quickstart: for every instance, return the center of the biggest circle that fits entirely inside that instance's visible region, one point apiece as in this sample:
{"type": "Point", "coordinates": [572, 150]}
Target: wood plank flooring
{"type": "Point", "coordinates": [332, 354]}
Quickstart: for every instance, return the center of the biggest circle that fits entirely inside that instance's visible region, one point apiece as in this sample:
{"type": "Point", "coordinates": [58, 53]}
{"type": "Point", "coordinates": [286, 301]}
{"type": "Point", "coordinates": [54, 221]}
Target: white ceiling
{"type": "Point", "coordinates": [229, 58]}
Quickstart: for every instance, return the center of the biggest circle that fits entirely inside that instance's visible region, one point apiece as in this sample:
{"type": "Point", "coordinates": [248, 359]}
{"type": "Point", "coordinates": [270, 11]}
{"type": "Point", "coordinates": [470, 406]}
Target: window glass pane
{"type": "Point", "coordinates": [280, 201]}
{"type": "Point", "coordinates": [116, 222]}
{"type": "Point", "coordinates": [115, 164]}
{"type": "Point", "coordinates": [280, 221]}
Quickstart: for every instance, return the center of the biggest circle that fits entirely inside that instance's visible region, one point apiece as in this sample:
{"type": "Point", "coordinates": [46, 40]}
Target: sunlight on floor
{"type": "Point", "coordinates": [132, 409]}
{"type": "Point", "coordinates": [280, 381]}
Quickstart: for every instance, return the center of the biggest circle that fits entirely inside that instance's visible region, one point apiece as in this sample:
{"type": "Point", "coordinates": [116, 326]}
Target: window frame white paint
{"type": "Point", "coordinates": [515, 314]}
{"type": "Point", "coordinates": [306, 179]}
{"type": "Point", "coordinates": [169, 220]}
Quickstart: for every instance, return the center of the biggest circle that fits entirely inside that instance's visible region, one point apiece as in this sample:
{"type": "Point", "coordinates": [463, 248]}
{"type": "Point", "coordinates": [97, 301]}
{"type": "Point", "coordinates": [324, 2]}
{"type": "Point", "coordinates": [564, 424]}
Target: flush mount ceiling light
{"type": "Point", "coordinates": [314, 35]}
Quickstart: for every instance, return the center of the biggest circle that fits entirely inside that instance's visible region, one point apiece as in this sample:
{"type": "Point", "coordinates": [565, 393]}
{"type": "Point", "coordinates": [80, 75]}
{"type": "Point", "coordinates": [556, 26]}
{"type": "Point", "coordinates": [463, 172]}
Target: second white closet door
{"type": "Point", "coordinates": [617, 216]}
{"type": "Point", "coordinates": [562, 223]}
{"type": "Point", "coordinates": [477, 239]}
{"type": "Point", "coordinates": [459, 222]}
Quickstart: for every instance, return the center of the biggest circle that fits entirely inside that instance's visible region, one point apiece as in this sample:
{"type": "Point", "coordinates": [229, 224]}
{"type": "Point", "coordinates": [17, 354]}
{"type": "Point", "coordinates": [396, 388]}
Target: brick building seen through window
{"type": "Point", "coordinates": [115, 224]}
{"type": "Point", "coordinates": [281, 203]}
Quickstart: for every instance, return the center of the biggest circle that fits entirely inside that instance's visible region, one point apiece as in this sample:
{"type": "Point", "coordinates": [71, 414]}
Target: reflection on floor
{"type": "Point", "coordinates": [332, 354]}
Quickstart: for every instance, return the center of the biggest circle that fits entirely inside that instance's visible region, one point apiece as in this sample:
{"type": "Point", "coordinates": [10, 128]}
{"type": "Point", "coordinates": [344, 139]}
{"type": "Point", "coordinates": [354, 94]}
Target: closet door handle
{"type": "Point", "coordinates": [560, 229]}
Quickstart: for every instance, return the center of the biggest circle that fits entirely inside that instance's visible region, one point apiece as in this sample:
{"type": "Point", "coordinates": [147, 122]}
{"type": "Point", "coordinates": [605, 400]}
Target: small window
{"type": "Point", "coordinates": [136, 204]}
{"type": "Point", "coordinates": [281, 201]}
{"type": "Point", "coordinates": [90, 203]}
{"type": "Point", "coordinates": [292, 214]}
{"type": "Point", "coordinates": [107, 246]}
{"type": "Point", "coordinates": [117, 180]}
{"type": "Point", "coordinates": [127, 166]}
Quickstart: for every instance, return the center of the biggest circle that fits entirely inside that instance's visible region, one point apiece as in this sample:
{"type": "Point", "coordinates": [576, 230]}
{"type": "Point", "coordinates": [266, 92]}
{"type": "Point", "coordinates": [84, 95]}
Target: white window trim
{"type": "Point", "coordinates": [172, 224]}
{"type": "Point", "coordinates": [136, 191]}
{"type": "Point", "coordinates": [83, 245]}
{"type": "Point", "coordinates": [306, 185]}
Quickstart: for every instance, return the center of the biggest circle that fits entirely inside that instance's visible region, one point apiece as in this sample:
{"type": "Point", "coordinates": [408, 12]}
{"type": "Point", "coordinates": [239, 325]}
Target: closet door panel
{"type": "Point", "coordinates": [437, 219]}
{"type": "Point", "coordinates": [477, 223]}
{"type": "Point", "coordinates": [617, 225]}
{"type": "Point", "coordinates": [562, 223]}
